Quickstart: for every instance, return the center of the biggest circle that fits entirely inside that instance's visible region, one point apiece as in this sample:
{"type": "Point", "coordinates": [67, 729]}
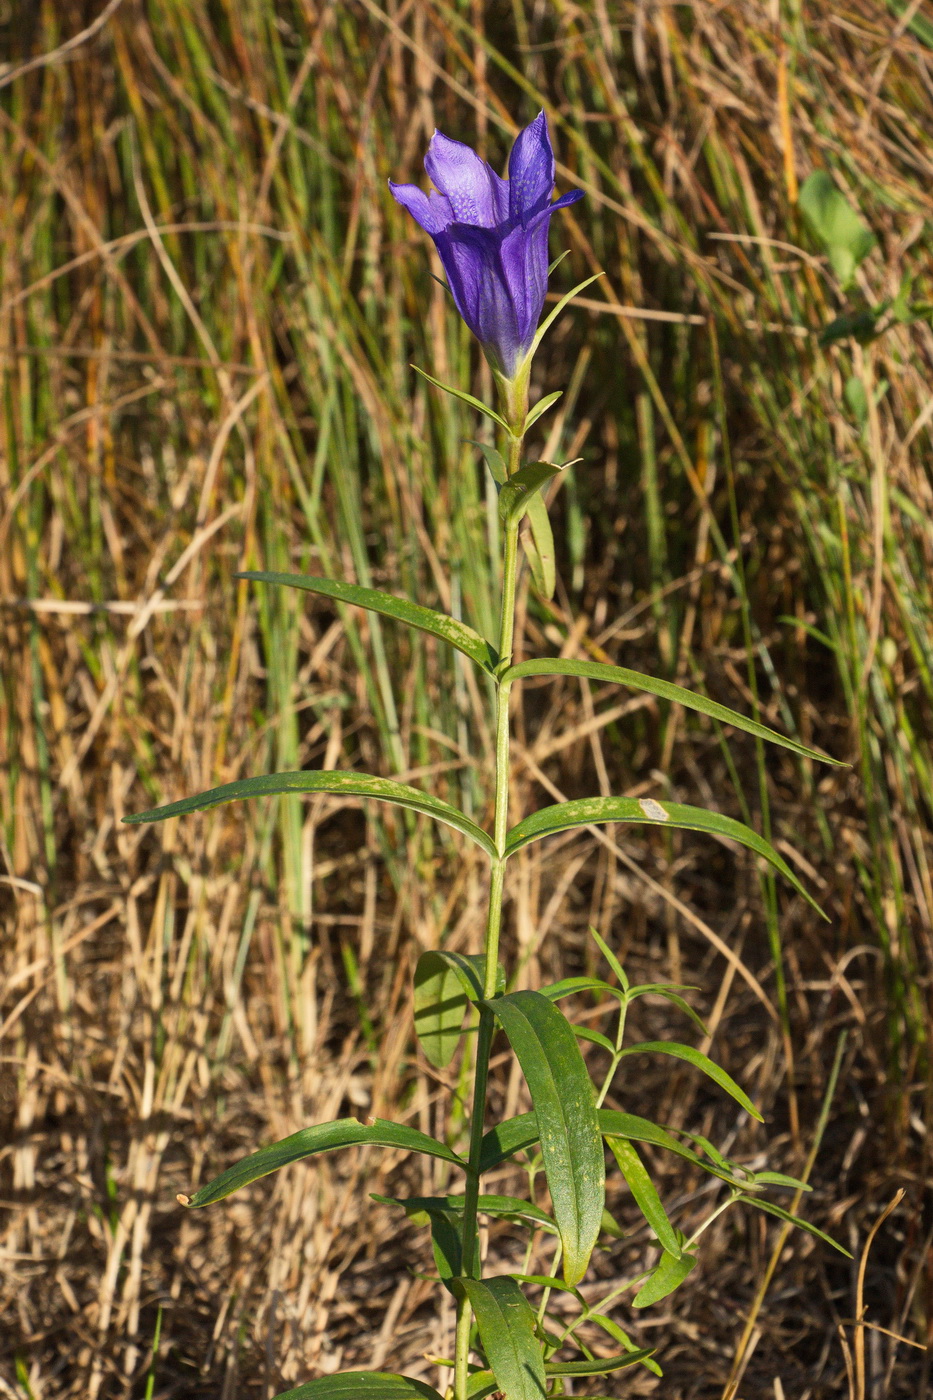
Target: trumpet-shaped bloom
{"type": "Point", "coordinates": [492, 236]}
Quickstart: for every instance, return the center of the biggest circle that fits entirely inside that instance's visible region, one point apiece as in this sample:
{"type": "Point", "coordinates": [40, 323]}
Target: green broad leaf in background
{"type": "Point", "coordinates": [362, 1385]}
{"type": "Point", "coordinates": [520, 490]}
{"type": "Point", "coordinates": [588, 811]}
{"type": "Point", "coordinates": [843, 233]}
{"type": "Point", "coordinates": [444, 984]}
{"type": "Point", "coordinates": [323, 1137]}
{"type": "Point", "coordinates": [664, 1278]}
{"type": "Point", "coordinates": [699, 1061]}
{"type": "Point", "coordinates": [539, 547]}
{"type": "Point", "coordinates": [770, 1208]}
{"type": "Point", "coordinates": [646, 1197]}
{"type": "Point", "coordinates": [316, 780]}
{"type": "Point", "coordinates": [599, 1366]}
{"type": "Point", "coordinates": [566, 1119]}
{"type": "Point", "coordinates": [542, 406]}
{"type": "Point", "coordinates": [447, 629]}
{"type": "Point", "coordinates": [464, 397]}
{"type": "Point", "coordinates": [506, 1324]}
{"type": "Point", "coordinates": [664, 690]}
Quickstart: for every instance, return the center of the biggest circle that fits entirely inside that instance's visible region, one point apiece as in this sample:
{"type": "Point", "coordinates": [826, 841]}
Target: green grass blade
{"type": "Point", "coordinates": [308, 1142]}
{"type": "Point", "coordinates": [665, 690]}
{"type": "Point", "coordinates": [587, 811]}
{"type": "Point", "coordinates": [448, 629]}
{"type": "Point", "coordinates": [350, 784]}
{"type": "Point", "coordinates": [560, 1088]}
{"type": "Point", "coordinates": [701, 1062]}
{"type": "Point", "coordinates": [506, 1324]}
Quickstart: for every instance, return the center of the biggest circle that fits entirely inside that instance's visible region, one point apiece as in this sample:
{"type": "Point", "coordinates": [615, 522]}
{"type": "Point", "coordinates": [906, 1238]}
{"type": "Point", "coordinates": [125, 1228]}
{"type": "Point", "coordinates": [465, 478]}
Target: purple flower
{"type": "Point", "coordinates": [492, 236]}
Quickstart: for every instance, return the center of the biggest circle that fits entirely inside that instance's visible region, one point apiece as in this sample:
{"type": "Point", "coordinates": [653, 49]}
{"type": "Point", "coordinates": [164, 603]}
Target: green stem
{"type": "Point", "coordinates": [487, 1027]}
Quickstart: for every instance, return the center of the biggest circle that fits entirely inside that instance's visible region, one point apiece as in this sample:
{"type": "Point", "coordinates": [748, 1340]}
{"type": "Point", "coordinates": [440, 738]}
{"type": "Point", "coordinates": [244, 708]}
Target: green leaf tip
{"type": "Point", "coordinates": [323, 781]}
{"type": "Point", "coordinates": [591, 811]}
{"type": "Point", "coordinates": [566, 1120]}
{"type": "Point", "coordinates": [362, 1385]}
{"type": "Point", "coordinates": [447, 629]}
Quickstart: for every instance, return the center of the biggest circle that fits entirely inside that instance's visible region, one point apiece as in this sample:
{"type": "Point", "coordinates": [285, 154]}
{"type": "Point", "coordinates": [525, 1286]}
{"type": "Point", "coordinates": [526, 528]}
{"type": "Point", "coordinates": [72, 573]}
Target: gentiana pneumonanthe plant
{"type": "Point", "coordinates": [492, 238]}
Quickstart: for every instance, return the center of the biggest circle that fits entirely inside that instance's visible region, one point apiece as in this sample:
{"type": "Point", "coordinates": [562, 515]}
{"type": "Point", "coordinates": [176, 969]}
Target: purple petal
{"type": "Point", "coordinates": [531, 171]}
{"type": "Point", "coordinates": [432, 213]}
{"type": "Point", "coordinates": [570, 197]}
{"type": "Point", "coordinates": [477, 278]}
{"type": "Point", "coordinates": [525, 263]}
{"type": "Point", "coordinates": [476, 193]}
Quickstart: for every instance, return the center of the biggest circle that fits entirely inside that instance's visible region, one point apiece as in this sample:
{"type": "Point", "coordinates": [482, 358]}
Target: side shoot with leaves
{"type": "Point", "coordinates": [491, 235]}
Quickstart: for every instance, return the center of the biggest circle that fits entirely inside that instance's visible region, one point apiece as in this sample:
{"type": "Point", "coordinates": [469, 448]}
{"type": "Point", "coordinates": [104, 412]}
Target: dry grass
{"type": "Point", "coordinates": [207, 307]}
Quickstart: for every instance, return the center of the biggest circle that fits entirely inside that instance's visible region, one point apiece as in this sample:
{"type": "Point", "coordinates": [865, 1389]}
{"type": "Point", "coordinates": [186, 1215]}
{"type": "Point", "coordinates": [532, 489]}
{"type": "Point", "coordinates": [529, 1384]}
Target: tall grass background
{"type": "Point", "coordinates": [208, 309]}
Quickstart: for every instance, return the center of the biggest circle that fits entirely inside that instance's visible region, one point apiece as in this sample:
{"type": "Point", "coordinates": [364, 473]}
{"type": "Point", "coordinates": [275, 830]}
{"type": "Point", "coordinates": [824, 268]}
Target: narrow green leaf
{"type": "Point", "coordinates": [362, 1385]}
{"type": "Point", "coordinates": [617, 1334]}
{"type": "Point", "coordinates": [520, 1134]}
{"type": "Point", "coordinates": [570, 986]}
{"type": "Point", "coordinates": [571, 1147]}
{"type": "Point", "coordinates": [646, 1197]}
{"type": "Point", "coordinates": [770, 1208]}
{"type": "Point", "coordinates": [494, 460]}
{"type": "Point", "coordinates": [542, 406]}
{"type": "Point", "coordinates": [779, 1179]}
{"type": "Point", "coordinates": [503, 1207]}
{"type": "Point", "coordinates": [445, 1223]}
{"type": "Point", "coordinates": [660, 989]}
{"type": "Point", "coordinates": [546, 1281]}
{"type": "Point", "coordinates": [599, 1366]}
{"type": "Point", "coordinates": [701, 1062]}
{"type": "Point", "coordinates": [594, 1038]}
{"type": "Point", "coordinates": [540, 548]}
{"type": "Point", "coordinates": [323, 1137]}
{"type": "Point", "coordinates": [481, 1384]}
{"type": "Point", "coordinates": [513, 1135]}
{"type": "Point", "coordinates": [520, 490]}
{"type": "Point", "coordinates": [448, 629]}
{"type": "Point", "coordinates": [465, 397]}
{"type": "Point", "coordinates": [549, 320]}
{"type": "Point", "coordinates": [668, 1275]}
{"type": "Point", "coordinates": [350, 784]}
{"type": "Point", "coordinates": [610, 957]}
{"type": "Point", "coordinates": [506, 1326]}
{"type": "Point", "coordinates": [588, 811]}
{"type": "Point", "coordinates": [665, 690]}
